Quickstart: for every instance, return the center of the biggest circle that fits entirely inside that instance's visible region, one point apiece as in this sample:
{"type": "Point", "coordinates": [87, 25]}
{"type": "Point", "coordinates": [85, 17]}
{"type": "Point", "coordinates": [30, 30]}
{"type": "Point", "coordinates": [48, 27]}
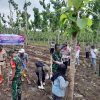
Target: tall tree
{"type": "Point", "coordinates": [51, 18]}
{"type": "Point", "coordinates": [11, 2]}
{"type": "Point", "coordinates": [26, 14]}
{"type": "Point", "coordinates": [37, 19]}
{"type": "Point", "coordinates": [15, 24]}
{"type": "Point", "coordinates": [75, 24]}
{"type": "Point", "coordinates": [57, 6]}
{"type": "Point", "coordinates": [26, 5]}
{"type": "Point", "coordinates": [4, 23]}
{"type": "Point", "coordinates": [1, 26]}
{"type": "Point", "coordinates": [45, 15]}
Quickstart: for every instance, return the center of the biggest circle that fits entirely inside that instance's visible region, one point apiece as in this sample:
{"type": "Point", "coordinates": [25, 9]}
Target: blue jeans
{"type": "Point", "coordinates": [93, 61]}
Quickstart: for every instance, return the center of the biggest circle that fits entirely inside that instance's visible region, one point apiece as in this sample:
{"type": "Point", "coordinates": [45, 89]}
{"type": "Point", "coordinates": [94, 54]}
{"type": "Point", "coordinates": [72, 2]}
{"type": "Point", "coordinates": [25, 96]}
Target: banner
{"type": "Point", "coordinates": [11, 39]}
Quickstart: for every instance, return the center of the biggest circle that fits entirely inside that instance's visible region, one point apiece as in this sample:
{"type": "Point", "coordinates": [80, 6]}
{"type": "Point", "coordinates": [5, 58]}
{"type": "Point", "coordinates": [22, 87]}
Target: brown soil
{"type": "Point", "coordinates": [87, 84]}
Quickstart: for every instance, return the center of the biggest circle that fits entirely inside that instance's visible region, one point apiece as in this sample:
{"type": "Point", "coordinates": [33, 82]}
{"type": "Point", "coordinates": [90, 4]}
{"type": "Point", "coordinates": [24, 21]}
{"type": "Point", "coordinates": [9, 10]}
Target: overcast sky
{"type": "Point", "coordinates": [4, 6]}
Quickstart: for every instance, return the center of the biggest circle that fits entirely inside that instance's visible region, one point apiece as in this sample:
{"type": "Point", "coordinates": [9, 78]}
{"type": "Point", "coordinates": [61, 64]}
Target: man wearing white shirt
{"type": "Point", "coordinates": [93, 57]}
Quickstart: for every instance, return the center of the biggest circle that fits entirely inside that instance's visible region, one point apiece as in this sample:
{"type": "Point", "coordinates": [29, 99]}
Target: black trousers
{"type": "Point", "coordinates": [66, 64]}
{"type": "Point", "coordinates": [56, 97]}
{"type": "Point", "coordinates": [51, 50]}
{"type": "Point", "coordinates": [43, 77]}
{"type": "Point", "coordinates": [87, 54]}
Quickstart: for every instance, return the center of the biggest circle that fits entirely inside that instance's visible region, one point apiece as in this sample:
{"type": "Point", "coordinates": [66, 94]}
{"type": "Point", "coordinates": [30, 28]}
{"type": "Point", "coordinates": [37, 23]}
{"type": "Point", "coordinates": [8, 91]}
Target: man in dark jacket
{"type": "Point", "coordinates": [40, 74]}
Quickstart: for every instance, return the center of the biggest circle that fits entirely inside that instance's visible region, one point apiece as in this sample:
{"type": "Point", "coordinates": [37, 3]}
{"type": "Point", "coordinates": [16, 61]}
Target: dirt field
{"type": "Point", "coordinates": [87, 84]}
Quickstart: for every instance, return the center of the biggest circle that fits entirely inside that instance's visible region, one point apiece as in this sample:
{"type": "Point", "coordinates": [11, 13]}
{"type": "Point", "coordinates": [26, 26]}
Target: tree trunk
{"type": "Point", "coordinates": [71, 71]}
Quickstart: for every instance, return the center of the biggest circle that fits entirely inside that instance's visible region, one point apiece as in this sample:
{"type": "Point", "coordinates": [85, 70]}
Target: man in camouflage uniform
{"type": "Point", "coordinates": [15, 81]}
{"type": "Point", "coordinates": [56, 59]}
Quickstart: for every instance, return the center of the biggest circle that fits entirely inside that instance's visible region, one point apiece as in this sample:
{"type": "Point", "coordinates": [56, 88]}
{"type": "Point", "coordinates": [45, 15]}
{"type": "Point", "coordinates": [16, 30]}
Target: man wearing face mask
{"type": "Point", "coordinates": [24, 58]}
{"type": "Point", "coordinates": [15, 78]}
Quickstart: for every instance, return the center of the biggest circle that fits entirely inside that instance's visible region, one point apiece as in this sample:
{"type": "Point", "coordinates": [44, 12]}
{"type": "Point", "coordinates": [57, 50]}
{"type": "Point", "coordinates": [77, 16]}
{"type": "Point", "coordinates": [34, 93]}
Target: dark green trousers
{"type": "Point", "coordinates": [16, 89]}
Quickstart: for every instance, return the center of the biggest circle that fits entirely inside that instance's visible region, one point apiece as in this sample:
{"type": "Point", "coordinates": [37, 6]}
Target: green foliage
{"type": "Point", "coordinates": [84, 22]}
{"type": "Point", "coordinates": [37, 19]}
{"type": "Point", "coordinates": [0, 26]}
{"type": "Point", "coordinates": [23, 18]}
{"type": "Point", "coordinates": [44, 21]}
{"type": "Point", "coordinates": [95, 7]}
{"type": "Point", "coordinates": [50, 20]}
{"type": "Point", "coordinates": [2, 18]}
{"type": "Point", "coordinates": [72, 17]}
{"type": "Point", "coordinates": [76, 3]}
{"type": "Point", "coordinates": [63, 18]}
{"type": "Point", "coordinates": [89, 22]}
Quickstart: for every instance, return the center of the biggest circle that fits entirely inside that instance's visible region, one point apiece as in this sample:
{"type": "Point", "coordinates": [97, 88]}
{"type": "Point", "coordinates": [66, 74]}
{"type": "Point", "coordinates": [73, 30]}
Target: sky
{"type": "Point", "coordinates": [4, 7]}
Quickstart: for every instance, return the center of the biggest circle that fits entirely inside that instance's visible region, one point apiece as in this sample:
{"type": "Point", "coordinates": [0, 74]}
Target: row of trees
{"type": "Point", "coordinates": [48, 20]}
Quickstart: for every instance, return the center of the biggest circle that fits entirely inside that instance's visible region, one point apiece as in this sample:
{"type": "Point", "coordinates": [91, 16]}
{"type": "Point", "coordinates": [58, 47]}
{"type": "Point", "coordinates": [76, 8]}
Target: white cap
{"type": "Point", "coordinates": [21, 51]}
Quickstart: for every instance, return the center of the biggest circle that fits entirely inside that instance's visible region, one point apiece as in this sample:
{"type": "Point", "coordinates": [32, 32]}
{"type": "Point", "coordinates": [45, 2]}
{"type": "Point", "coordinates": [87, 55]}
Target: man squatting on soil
{"type": "Point", "coordinates": [40, 74]}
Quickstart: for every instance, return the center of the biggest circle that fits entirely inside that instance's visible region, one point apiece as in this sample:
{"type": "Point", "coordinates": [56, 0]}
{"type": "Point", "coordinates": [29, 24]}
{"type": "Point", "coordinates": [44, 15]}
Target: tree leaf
{"type": "Point", "coordinates": [63, 17]}
{"type": "Point", "coordinates": [86, 1]}
{"type": "Point", "coordinates": [70, 3]}
{"type": "Point", "coordinates": [65, 21]}
{"type": "Point", "coordinates": [82, 23]}
{"type": "Point", "coordinates": [89, 22]}
{"type": "Point", "coordinates": [77, 3]}
{"type": "Point", "coordinates": [72, 19]}
{"type": "Point", "coordinates": [89, 30]}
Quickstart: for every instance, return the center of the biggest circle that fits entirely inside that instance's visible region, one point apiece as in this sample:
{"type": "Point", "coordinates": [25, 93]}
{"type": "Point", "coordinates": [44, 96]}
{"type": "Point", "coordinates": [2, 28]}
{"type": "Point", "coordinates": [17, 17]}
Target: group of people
{"type": "Point", "coordinates": [18, 64]}
{"type": "Point", "coordinates": [60, 62]}
{"type": "Point", "coordinates": [61, 56]}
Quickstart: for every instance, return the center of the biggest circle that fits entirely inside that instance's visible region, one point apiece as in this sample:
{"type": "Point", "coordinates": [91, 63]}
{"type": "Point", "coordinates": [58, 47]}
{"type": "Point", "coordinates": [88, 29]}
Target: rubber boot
{"type": "Point", "coordinates": [1, 79]}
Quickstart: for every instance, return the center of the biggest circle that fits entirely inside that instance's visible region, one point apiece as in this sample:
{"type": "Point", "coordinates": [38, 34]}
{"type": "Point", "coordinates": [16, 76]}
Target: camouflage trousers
{"type": "Point", "coordinates": [16, 89]}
